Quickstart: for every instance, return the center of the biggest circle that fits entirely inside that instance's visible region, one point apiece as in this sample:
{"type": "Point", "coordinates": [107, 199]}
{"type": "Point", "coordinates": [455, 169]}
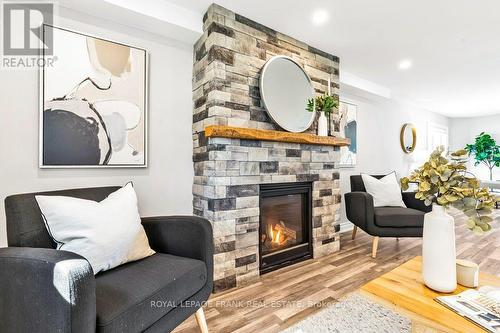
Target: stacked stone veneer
{"type": "Point", "coordinates": [228, 59]}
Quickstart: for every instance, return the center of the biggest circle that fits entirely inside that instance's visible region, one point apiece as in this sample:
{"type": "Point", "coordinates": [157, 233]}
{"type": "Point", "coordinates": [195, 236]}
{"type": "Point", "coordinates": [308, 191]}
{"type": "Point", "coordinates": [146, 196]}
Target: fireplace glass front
{"type": "Point", "coordinates": [285, 224]}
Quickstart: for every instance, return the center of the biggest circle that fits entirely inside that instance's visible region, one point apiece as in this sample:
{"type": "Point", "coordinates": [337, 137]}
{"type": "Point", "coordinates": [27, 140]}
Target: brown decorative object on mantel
{"type": "Point", "coordinates": [219, 131]}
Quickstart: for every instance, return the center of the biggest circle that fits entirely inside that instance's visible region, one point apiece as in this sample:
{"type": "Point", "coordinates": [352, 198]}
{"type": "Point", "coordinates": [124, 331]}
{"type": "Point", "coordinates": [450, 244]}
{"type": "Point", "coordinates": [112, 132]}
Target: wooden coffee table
{"type": "Point", "coordinates": [403, 290]}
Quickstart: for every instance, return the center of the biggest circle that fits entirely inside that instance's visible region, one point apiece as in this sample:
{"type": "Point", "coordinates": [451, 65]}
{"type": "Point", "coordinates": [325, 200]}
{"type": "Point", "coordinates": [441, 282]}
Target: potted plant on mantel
{"type": "Point", "coordinates": [486, 151]}
{"type": "Point", "coordinates": [324, 104]}
{"type": "Point", "coordinates": [445, 182]}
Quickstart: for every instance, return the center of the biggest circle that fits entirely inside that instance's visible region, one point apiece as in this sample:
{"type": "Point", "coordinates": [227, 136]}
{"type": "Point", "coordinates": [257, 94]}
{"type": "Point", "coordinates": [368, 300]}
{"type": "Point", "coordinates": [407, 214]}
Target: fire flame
{"type": "Point", "coordinates": [270, 232]}
{"type": "Point", "coordinates": [275, 236]}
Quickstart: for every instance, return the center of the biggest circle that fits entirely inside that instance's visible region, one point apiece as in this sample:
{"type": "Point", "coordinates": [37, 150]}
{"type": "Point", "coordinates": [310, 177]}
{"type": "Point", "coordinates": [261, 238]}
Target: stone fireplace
{"type": "Point", "coordinates": [235, 177]}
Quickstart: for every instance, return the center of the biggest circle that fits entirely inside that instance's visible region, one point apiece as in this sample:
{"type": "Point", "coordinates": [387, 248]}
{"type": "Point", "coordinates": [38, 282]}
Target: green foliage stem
{"type": "Point", "coordinates": [324, 103]}
{"type": "Point", "coordinates": [486, 151]}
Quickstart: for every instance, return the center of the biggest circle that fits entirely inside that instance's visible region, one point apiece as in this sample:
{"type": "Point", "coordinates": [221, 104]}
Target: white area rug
{"type": "Point", "coordinates": [352, 314]}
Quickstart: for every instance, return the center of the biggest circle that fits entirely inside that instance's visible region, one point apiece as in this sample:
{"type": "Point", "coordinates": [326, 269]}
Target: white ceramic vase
{"type": "Point", "coordinates": [322, 125]}
{"type": "Point", "coordinates": [438, 250]}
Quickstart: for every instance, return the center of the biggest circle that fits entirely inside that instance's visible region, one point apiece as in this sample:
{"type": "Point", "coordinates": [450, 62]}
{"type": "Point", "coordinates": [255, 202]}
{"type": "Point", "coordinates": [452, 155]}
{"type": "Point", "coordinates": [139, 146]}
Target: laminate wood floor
{"type": "Point", "coordinates": [281, 298]}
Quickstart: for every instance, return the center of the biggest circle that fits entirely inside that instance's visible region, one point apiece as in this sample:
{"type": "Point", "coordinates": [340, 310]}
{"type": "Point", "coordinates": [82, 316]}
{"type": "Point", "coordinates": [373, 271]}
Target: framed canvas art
{"type": "Point", "coordinates": [348, 129]}
{"type": "Point", "coordinates": [93, 103]}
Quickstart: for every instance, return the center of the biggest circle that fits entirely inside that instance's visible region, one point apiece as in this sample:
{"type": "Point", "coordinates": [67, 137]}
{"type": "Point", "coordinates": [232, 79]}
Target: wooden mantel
{"type": "Point", "coordinates": [218, 131]}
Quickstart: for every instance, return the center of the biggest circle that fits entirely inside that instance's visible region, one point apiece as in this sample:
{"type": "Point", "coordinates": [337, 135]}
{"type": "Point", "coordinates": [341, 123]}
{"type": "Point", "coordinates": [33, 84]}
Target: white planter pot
{"type": "Point", "coordinates": [438, 251]}
{"type": "Point", "coordinates": [322, 125]}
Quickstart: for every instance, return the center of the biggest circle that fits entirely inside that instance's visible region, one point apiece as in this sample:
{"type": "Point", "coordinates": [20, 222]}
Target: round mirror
{"type": "Point", "coordinates": [408, 138]}
{"type": "Point", "coordinates": [285, 89]}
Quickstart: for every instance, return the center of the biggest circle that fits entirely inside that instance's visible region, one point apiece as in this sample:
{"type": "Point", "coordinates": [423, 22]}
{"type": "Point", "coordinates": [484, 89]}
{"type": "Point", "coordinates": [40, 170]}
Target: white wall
{"type": "Point", "coordinates": [379, 151]}
{"type": "Point", "coordinates": [165, 186]}
{"type": "Point", "coordinates": [464, 131]}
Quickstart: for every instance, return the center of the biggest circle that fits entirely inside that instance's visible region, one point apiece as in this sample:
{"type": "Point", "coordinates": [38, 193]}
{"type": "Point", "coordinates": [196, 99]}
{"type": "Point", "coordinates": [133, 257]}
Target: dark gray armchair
{"type": "Point", "coordinates": [383, 221]}
{"type": "Point", "coordinates": [46, 290]}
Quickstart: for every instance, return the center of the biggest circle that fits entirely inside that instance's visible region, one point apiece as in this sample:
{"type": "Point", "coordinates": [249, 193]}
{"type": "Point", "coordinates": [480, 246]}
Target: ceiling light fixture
{"type": "Point", "coordinates": [319, 17]}
{"type": "Point", "coordinates": [405, 64]}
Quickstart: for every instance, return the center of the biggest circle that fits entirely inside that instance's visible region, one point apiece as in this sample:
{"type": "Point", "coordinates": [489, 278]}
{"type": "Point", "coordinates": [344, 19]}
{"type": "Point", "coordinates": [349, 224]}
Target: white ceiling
{"type": "Point", "coordinates": [454, 44]}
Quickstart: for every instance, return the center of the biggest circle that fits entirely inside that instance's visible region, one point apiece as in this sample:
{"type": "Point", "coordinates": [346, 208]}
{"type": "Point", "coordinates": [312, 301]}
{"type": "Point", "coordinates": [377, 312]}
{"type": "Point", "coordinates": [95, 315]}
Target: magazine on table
{"type": "Point", "coordinates": [481, 306]}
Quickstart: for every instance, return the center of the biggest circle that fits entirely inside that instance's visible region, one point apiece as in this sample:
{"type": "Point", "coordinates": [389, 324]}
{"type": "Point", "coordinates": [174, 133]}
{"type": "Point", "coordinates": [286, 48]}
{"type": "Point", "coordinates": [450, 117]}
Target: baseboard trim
{"type": "Point", "coordinates": [346, 226]}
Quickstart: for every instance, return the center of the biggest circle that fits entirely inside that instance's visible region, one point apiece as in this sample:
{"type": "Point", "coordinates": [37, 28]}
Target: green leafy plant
{"type": "Point", "coordinates": [486, 151]}
{"type": "Point", "coordinates": [447, 183]}
{"type": "Point", "coordinates": [324, 103]}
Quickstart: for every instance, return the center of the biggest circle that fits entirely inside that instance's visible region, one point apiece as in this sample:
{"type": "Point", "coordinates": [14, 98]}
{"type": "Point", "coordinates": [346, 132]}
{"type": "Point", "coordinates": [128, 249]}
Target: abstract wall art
{"type": "Point", "coordinates": [93, 101]}
{"type": "Point", "coordinates": [348, 129]}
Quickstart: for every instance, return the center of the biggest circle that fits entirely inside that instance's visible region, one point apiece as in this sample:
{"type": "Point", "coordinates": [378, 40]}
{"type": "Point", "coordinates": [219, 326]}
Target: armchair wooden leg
{"type": "Point", "coordinates": [200, 319]}
{"type": "Point", "coordinates": [354, 232]}
{"type": "Point", "coordinates": [374, 247]}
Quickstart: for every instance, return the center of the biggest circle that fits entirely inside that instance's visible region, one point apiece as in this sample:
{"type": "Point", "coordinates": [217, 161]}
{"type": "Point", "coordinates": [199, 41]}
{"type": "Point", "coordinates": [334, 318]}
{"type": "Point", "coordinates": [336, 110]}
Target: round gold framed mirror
{"type": "Point", "coordinates": [408, 138]}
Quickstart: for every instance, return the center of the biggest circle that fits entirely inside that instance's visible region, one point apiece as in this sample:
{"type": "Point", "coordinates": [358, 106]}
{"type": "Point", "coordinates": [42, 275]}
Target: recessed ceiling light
{"type": "Point", "coordinates": [320, 16]}
{"type": "Point", "coordinates": [405, 64]}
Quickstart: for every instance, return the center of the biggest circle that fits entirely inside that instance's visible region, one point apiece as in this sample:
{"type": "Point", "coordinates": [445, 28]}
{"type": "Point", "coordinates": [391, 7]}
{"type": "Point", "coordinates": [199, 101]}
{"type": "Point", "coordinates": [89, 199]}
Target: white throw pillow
{"type": "Point", "coordinates": [107, 233]}
{"type": "Point", "coordinates": [385, 191]}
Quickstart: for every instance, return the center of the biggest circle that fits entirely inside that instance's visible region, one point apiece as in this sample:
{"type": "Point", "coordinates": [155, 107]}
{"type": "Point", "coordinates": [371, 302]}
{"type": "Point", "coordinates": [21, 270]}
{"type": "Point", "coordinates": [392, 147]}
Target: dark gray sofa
{"type": "Point", "coordinates": [46, 290]}
{"type": "Point", "coordinates": [383, 221]}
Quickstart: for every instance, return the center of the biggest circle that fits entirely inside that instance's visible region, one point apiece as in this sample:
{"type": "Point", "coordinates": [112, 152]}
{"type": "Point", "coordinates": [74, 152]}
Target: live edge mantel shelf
{"type": "Point", "coordinates": [218, 131]}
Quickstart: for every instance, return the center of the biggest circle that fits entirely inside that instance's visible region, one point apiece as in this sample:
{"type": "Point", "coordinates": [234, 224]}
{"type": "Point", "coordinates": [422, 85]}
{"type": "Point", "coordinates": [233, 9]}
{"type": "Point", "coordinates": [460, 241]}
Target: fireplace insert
{"type": "Point", "coordinates": [285, 225]}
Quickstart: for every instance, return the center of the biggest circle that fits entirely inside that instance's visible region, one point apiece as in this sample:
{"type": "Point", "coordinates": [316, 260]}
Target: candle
{"type": "Point", "coordinates": [329, 88]}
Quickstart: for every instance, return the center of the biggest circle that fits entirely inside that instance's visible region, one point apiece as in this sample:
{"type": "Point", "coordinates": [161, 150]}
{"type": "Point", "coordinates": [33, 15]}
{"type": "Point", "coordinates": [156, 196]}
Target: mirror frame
{"type": "Point", "coordinates": [263, 95]}
{"type": "Point", "coordinates": [402, 138]}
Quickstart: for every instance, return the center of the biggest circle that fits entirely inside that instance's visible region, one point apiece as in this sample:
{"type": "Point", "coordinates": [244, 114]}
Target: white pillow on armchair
{"type": "Point", "coordinates": [385, 191]}
{"type": "Point", "coordinates": [107, 233]}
